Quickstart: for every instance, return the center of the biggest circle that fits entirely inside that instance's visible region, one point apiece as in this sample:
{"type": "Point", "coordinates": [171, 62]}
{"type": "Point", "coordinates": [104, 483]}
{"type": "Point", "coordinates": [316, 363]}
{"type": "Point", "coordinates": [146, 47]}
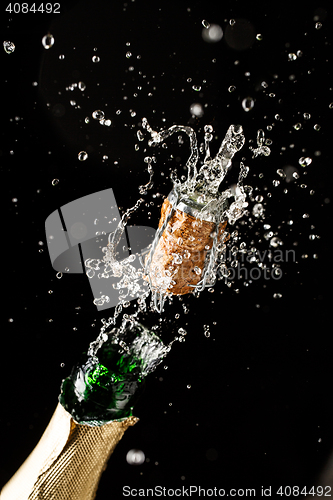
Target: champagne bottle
{"type": "Point", "coordinates": [94, 410]}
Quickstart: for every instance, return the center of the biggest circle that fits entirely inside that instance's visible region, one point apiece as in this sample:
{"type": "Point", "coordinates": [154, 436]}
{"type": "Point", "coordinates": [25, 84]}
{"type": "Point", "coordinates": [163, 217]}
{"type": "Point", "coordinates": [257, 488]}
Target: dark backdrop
{"type": "Point", "coordinates": [259, 407]}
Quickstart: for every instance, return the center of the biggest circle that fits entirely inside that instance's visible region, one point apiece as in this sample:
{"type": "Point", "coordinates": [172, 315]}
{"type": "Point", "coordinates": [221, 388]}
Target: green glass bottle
{"type": "Point", "coordinates": [110, 380]}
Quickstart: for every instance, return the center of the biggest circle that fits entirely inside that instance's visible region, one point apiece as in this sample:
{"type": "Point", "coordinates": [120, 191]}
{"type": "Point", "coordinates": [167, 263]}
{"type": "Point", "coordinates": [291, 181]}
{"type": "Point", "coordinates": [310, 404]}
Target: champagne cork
{"type": "Point", "coordinates": [179, 257]}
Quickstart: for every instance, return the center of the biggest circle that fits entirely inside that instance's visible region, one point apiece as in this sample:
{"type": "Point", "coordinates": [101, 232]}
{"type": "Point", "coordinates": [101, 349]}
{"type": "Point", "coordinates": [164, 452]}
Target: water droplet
{"type": "Point", "coordinates": [55, 182]}
{"type": "Point", "coordinates": [95, 59]}
{"type": "Point", "coordinates": [277, 295]}
{"type": "Point", "coordinates": [306, 116]}
{"type": "Point", "coordinates": [82, 156]}
{"type": "Point", "coordinates": [259, 36]}
{"type": "Point", "coordinates": [297, 126]}
{"type": "Point", "coordinates": [318, 26]}
{"type": "Point", "coordinates": [281, 172]}
{"type": "Point", "coordinates": [276, 242]}
{"type": "Point", "coordinates": [247, 104]}
{"type": "Point", "coordinates": [232, 22]}
{"type": "Point", "coordinates": [317, 127]}
{"type": "Point", "coordinates": [205, 24]}
{"type": "Point", "coordinates": [304, 162]}
{"type": "Point", "coordinates": [330, 105]}
{"type": "Point", "coordinates": [197, 88]}
{"type": "Point", "coordinates": [82, 86]}
{"type": "Point", "coordinates": [8, 46]}
{"type": "Point", "coordinates": [232, 88]}
{"type": "Point", "coordinates": [98, 114]}
{"type": "Point", "coordinates": [135, 457]}
{"type": "Point", "coordinates": [292, 56]}
{"type": "Point", "coordinates": [212, 34]}
{"type": "Point", "coordinates": [258, 210]}
{"type": "Point", "coordinates": [59, 275]}
{"type": "Point", "coordinates": [189, 386]}
{"type": "Point", "coordinates": [48, 41]}
{"type": "Point", "coordinates": [128, 54]}
{"type": "Point", "coordinates": [206, 331]}
{"type": "Point", "coordinates": [196, 109]}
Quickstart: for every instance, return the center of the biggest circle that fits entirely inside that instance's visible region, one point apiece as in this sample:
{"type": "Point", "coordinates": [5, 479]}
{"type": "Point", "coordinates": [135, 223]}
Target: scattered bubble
{"type": "Point", "coordinates": [276, 242]}
{"type": "Point", "coordinates": [292, 56]}
{"type": "Point", "coordinates": [258, 210]}
{"type": "Point", "coordinates": [212, 34]}
{"type": "Point", "coordinates": [135, 457]}
{"type": "Point", "coordinates": [98, 114]}
{"type": "Point", "coordinates": [206, 331]}
{"type": "Point", "coordinates": [8, 46]}
{"type": "Point", "coordinates": [248, 104]}
{"type": "Point", "coordinates": [82, 156]}
{"type": "Point", "coordinates": [196, 109]}
{"type": "Point", "coordinates": [305, 162]}
{"type": "Point", "coordinates": [281, 173]}
{"type": "Point", "coordinates": [48, 41]}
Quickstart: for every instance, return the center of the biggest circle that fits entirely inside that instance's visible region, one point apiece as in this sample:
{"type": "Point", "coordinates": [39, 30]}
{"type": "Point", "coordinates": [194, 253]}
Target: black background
{"type": "Point", "coordinates": [259, 410]}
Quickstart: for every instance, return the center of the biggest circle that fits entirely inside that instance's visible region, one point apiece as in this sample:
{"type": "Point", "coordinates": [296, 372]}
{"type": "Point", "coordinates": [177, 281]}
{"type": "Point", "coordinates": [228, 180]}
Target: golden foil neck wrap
{"type": "Point", "coordinates": [68, 461]}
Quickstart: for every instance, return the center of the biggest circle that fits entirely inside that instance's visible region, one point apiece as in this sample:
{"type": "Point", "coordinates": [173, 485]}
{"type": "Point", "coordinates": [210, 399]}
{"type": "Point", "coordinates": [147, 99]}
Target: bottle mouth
{"type": "Point", "coordinates": [141, 346]}
{"type": "Point", "coordinates": [208, 210]}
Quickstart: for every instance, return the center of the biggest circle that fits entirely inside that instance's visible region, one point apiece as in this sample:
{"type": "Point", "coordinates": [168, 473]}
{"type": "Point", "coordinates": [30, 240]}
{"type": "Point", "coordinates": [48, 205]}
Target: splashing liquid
{"type": "Point", "coordinates": [107, 385]}
{"type": "Point", "coordinates": [192, 227]}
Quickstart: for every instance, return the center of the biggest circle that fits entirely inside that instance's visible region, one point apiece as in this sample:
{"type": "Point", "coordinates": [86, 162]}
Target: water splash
{"type": "Point", "coordinates": [201, 193]}
{"type": "Point", "coordinates": [261, 148]}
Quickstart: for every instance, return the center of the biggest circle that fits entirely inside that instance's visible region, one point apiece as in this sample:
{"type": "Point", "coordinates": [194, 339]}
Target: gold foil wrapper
{"type": "Point", "coordinates": [68, 461]}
